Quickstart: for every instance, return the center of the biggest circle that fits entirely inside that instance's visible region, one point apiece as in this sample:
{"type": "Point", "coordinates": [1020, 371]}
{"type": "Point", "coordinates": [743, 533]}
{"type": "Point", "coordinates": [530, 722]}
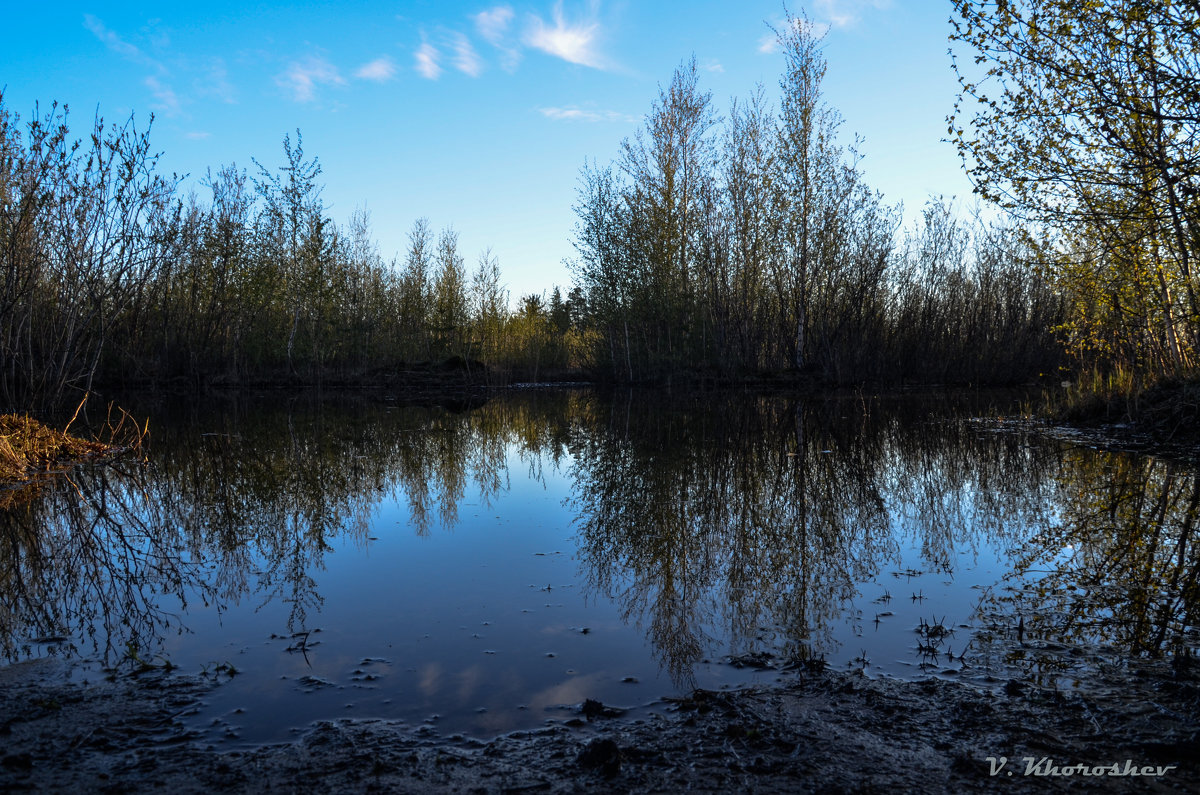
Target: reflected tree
{"type": "Point", "coordinates": [1120, 567]}
{"type": "Point", "coordinates": [92, 560]}
{"type": "Point", "coordinates": [719, 523]}
{"type": "Point", "coordinates": [757, 520]}
{"type": "Point", "coordinates": [706, 519]}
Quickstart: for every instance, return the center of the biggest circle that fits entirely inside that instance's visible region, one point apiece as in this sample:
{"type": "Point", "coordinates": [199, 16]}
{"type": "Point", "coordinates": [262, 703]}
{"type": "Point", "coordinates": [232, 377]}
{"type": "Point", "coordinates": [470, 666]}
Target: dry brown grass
{"type": "Point", "coordinates": [27, 447]}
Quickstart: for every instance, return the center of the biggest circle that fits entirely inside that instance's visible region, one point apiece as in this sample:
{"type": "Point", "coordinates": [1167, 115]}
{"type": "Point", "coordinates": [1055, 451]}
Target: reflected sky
{"type": "Point", "coordinates": [486, 566]}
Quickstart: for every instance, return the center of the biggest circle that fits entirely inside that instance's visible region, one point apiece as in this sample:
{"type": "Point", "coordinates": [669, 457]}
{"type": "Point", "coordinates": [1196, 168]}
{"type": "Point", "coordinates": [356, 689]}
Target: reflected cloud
{"type": "Point", "coordinates": [470, 681]}
{"type": "Point", "coordinates": [431, 678]}
{"type": "Point", "coordinates": [574, 689]}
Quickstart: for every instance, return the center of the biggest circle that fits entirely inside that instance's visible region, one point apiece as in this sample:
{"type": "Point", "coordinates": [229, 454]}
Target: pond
{"type": "Point", "coordinates": [483, 566]}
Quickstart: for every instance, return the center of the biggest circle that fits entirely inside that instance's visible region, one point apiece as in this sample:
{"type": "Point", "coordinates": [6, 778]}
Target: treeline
{"type": "Point", "coordinates": [110, 272]}
{"type": "Point", "coordinates": [1085, 124]}
{"type": "Point", "coordinates": [711, 247]}
{"type": "Point", "coordinates": [754, 244]}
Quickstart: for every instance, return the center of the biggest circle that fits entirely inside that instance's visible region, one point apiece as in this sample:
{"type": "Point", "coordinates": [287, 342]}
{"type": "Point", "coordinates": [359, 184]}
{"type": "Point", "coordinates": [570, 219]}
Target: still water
{"type": "Point", "coordinates": [480, 568]}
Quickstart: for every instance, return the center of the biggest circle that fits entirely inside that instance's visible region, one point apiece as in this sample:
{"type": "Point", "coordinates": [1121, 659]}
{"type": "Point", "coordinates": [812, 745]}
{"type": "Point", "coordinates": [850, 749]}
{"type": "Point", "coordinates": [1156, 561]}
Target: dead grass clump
{"type": "Point", "coordinates": [28, 447]}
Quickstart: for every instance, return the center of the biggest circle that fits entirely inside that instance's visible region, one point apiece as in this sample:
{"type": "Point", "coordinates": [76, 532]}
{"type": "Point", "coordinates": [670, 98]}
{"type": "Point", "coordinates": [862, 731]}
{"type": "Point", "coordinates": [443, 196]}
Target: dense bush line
{"type": "Point", "coordinates": [710, 248]}
{"type": "Point", "coordinates": [754, 243]}
{"type": "Point", "coordinates": [110, 272]}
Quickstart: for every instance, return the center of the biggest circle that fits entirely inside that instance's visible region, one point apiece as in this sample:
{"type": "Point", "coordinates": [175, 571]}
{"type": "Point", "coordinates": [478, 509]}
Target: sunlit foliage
{"type": "Point", "coordinates": [1081, 118]}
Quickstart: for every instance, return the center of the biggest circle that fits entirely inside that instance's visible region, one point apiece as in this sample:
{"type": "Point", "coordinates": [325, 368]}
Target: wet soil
{"type": "Point", "coordinates": [1137, 730]}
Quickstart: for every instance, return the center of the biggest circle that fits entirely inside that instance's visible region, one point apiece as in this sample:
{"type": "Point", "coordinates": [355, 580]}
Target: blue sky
{"type": "Point", "coordinates": [475, 115]}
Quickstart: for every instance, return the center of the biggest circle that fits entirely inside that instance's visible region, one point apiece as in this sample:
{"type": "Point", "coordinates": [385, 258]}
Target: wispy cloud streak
{"type": "Point", "coordinates": [215, 82]}
{"type": "Point", "coordinates": [303, 77]}
{"type": "Point", "coordinates": [769, 43]}
{"type": "Point", "coordinates": [426, 58]}
{"type": "Point", "coordinates": [379, 70]}
{"type": "Point", "coordinates": [466, 60]}
{"type": "Point", "coordinates": [166, 100]}
{"type": "Point", "coordinates": [844, 13]}
{"type": "Point", "coordinates": [574, 43]}
{"type": "Point", "coordinates": [493, 23]}
{"type": "Point", "coordinates": [114, 42]}
{"type": "Point", "coordinates": [572, 113]}
{"type": "Point", "coordinates": [165, 97]}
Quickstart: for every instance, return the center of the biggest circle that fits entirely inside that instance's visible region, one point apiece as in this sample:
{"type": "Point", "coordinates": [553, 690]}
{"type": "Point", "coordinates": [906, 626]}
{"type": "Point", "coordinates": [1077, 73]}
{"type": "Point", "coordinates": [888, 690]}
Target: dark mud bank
{"type": "Point", "coordinates": [817, 731]}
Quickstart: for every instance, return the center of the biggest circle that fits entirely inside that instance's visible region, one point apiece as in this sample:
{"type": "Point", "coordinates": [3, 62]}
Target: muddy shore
{"type": "Point", "coordinates": [817, 731]}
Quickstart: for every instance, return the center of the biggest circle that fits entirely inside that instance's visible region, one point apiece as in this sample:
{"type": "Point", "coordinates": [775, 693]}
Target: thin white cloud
{"type": "Point", "coordinates": [197, 136]}
{"type": "Point", "coordinates": [844, 13]}
{"type": "Point", "coordinates": [574, 43]}
{"type": "Point", "coordinates": [159, 37]}
{"type": "Point", "coordinates": [303, 77]}
{"type": "Point", "coordinates": [466, 60]}
{"type": "Point", "coordinates": [712, 65]}
{"type": "Point", "coordinates": [510, 59]}
{"type": "Point", "coordinates": [493, 26]}
{"type": "Point", "coordinates": [769, 43]}
{"type": "Point", "coordinates": [199, 76]}
{"type": "Point", "coordinates": [166, 99]}
{"type": "Point", "coordinates": [379, 70]}
{"type": "Point", "coordinates": [118, 45]}
{"type": "Point", "coordinates": [493, 23]}
{"type": "Point", "coordinates": [215, 82]}
{"type": "Point", "coordinates": [427, 57]}
{"type": "Point", "coordinates": [573, 113]}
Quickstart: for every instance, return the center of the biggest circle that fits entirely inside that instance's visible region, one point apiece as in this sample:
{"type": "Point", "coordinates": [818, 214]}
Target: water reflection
{"type": "Point", "coordinates": [712, 517]}
{"type": "Point", "coordinates": [85, 563]}
{"type": "Point", "coordinates": [1117, 571]}
{"type": "Point", "coordinates": [759, 522]}
{"type": "Point", "coordinates": [758, 530]}
{"type": "Point", "coordinates": [243, 503]}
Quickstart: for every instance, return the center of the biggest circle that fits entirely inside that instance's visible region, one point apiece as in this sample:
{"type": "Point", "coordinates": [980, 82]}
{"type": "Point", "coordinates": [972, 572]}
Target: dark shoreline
{"type": "Point", "coordinates": [816, 731]}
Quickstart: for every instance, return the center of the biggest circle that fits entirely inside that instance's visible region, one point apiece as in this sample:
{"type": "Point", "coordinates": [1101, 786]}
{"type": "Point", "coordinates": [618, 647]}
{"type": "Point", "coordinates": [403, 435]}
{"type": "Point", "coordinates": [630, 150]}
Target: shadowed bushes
{"type": "Point", "coordinates": [730, 249]}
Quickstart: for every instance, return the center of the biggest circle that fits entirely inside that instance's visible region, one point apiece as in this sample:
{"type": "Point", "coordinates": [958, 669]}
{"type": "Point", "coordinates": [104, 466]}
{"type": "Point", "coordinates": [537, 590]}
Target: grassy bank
{"type": "Point", "coordinates": [1167, 409]}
